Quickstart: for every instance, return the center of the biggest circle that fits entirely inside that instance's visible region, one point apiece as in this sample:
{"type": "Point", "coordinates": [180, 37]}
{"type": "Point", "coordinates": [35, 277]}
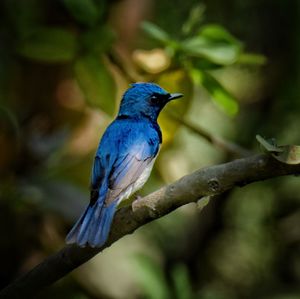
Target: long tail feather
{"type": "Point", "coordinates": [93, 226]}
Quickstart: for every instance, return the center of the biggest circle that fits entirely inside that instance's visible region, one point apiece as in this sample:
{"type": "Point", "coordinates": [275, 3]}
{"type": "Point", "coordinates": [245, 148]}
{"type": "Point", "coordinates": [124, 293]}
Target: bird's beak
{"type": "Point", "coordinates": [174, 96]}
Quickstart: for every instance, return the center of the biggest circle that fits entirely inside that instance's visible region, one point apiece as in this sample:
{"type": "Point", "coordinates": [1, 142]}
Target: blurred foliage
{"type": "Point", "coordinates": [155, 285]}
{"type": "Point", "coordinates": [64, 65]}
{"type": "Point", "coordinates": [49, 45]}
{"type": "Point", "coordinates": [96, 82]}
{"type": "Point", "coordinates": [212, 47]}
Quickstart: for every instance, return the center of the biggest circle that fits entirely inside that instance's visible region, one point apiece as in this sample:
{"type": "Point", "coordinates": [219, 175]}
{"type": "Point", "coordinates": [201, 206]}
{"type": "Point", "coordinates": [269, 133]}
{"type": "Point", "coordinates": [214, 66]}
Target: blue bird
{"type": "Point", "coordinates": [123, 161]}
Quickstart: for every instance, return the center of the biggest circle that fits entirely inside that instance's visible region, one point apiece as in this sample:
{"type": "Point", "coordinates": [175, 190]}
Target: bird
{"type": "Point", "coordinates": [123, 160]}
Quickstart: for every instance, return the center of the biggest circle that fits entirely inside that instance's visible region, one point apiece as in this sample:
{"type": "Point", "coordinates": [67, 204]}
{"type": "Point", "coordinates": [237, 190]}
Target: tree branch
{"type": "Point", "coordinates": [204, 182]}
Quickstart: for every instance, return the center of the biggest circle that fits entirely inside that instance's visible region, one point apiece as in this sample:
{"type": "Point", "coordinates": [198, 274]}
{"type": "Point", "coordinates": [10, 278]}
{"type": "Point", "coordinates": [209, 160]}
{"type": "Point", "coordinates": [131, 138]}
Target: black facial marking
{"type": "Point", "coordinates": [158, 98]}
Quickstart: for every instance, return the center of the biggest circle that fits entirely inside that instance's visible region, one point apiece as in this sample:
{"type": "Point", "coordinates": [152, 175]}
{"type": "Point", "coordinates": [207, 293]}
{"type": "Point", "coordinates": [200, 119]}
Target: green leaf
{"type": "Point", "coordinates": [218, 33]}
{"type": "Point", "coordinates": [267, 145]}
{"type": "Point", "coordinates": [216, 52]}
{"type": "Point", "coordinates": [219, 94]}
{"type": "Point", "coordinates": [151, 278]}
{"type": "Point", "coordinates": [49, 45]}
{"type": "Point", "coordinates": [96, 82]}
{"type": "Point", "coordinates": [215, 44]}
{"type": "Point", "coordinates": [84, 11]}
{"type": "Point", "coordinates": [156, 32]}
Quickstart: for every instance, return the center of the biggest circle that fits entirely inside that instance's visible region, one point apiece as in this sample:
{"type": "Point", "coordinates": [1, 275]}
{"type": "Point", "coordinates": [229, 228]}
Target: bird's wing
{"type": "Point", "coordinates": [121, 160]}
{"type": "Point", "coordinates": [129, 168]}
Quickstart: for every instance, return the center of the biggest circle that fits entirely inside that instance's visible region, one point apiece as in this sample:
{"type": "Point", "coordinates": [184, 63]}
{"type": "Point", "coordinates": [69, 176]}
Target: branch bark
{"type": "Point", "coordinates": [190, 188]}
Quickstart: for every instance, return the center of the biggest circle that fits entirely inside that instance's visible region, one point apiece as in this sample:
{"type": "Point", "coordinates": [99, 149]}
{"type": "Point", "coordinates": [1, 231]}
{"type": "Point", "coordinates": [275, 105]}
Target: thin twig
{"type": "Point", "coordinates": [229, 147]}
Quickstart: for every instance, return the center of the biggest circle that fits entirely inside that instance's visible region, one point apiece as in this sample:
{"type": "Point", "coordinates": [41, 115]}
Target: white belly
{"type": "Point", "coordinates": [139, 183]}
{"type": "Point", "coordinates": [143, 177]}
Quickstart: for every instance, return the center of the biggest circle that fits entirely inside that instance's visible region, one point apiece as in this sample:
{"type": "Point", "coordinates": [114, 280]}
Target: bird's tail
{"type": "Point", "coordinates": [93, 226]}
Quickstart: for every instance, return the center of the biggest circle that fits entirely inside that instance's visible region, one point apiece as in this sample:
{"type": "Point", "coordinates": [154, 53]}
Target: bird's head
{"type": "Point", "coordinates": [145, 100]}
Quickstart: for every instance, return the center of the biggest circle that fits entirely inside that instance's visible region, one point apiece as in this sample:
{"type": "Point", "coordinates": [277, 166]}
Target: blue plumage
{"type": "Point", "coordinates": [123, 160]}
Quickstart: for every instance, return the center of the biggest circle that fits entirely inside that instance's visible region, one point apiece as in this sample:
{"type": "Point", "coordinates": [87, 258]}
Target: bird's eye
{"type": "Point", "coordinates": [154, 99]}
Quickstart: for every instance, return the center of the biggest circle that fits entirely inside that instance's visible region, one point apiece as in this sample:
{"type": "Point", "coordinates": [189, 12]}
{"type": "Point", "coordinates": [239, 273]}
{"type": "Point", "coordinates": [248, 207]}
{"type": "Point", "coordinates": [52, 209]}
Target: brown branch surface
{"type": "Point", "coordinates": [190, 188]}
